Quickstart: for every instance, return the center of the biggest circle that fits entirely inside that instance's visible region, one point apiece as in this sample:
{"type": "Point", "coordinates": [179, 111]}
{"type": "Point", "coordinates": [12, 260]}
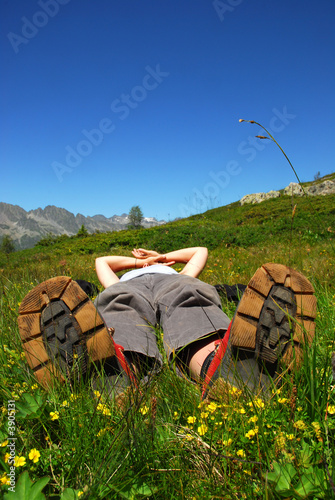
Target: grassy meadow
{"type": "Point", "coordinates": [168, 444]}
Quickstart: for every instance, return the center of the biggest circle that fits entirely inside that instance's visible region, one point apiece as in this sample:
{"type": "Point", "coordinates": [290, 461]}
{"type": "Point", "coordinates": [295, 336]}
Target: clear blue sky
{"type": "Point", "coordinates": [108, 104]}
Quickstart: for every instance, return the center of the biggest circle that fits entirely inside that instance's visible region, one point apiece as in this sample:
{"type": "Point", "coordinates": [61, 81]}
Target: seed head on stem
{"type": "Point", "coordinates": [249, 121]}
{"type": "Point", "coordinates": [281, 149]}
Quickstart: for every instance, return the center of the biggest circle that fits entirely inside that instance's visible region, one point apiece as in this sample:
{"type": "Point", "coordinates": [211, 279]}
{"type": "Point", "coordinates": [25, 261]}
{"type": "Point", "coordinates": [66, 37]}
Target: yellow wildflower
{"type": "Point", "coordinates": [65, 404]}
{"type": "Point", "coordinates": [240, 453]}
{"type": "Point", "coordinates": [299, 424]}
{"type": "Point", "coordinates": [253, 419]}
{"type": "Point", "coordinates": [331, 409]}
{"type": "Point", "coordinates": [54, 415]}
{"type": "Point", "coordinates": [104, 409]}
{"type": "Point", "coordinates": [280, 441]}
{"type": "Point", "coordinates": [19, 461]}
{"type": "Point", "coordinates": [204, 415]}
{"type": "Point", "coordinates": [235, 391]}
{"type": "Point", "coordinates": [282, 400]}
{"type": "Point", "coordinates": [34, 455]}
{"type": "Point", "coordinates": [144, 410]}
{"type": "Point", "coordinates": [241, 410]}
{"type": "Point", "coordinates": [317, 428]}
{"type": "Point", "coordinates": [228, 442]}
{"type": "Point", "coordinates": [290, 437]}
{"type": "Point", "coordinates": [212, 407]}
{"type": "Point", "coordinates": [259, 403]}
{"type": "Point", "coordinates": [4, 479]}
{"type": "Point", "coordinates": [4, 443]}
{"type": "Point", "coordinates": [34, 387]}
{"type": "Point", "coordinates": [250, 434]}
{"type": "Point", "coordinates": [202, 429]}
{"type": "Point", "coordinates": [191, 420]}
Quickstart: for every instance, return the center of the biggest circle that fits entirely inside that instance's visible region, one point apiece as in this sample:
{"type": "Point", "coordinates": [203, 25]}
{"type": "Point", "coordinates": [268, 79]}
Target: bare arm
{"type": "Point", "coordinates": [195, 258]}
{"type": "Point", "coordinates": [106, 267]}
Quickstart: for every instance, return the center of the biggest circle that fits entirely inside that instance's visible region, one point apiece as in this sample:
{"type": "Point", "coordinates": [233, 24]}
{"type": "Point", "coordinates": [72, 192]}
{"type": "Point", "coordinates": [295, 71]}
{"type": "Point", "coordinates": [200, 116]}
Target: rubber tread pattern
{"type": "Point", "coordinates": [63, 339]}
{"type": "Point", "coordinates": [60, 328]}
{"type": "Point", "coordinates": [280, 321]}
{"type": "Point", "coordinates": [274, 330]}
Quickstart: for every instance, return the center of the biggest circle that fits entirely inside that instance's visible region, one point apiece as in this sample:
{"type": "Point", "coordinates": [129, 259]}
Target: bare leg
{"type": "Point", "coordinates": [197, 352]}
{"type": "Point", "coordinates": [198, 358]}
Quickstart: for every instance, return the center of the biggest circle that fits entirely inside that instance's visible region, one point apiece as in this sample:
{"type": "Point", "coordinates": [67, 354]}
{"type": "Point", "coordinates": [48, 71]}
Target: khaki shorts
{"type": "Point", "coordinates": [185, 307]}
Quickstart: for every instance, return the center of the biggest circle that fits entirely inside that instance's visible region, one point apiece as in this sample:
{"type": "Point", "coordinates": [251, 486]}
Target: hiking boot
{"type": "Point", "coordinates": [63, 334]}
{"type": "Point", "coordinates": [272, 323]}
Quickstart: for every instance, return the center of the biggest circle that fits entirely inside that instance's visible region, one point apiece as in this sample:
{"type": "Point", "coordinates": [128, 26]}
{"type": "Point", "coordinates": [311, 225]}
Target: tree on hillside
{"type": "Point", "coordinates": [135, 217]}
{"type": "Point", "coordinates": [82, 231]}
{"type": "Point", "coordinates": [7, 245]}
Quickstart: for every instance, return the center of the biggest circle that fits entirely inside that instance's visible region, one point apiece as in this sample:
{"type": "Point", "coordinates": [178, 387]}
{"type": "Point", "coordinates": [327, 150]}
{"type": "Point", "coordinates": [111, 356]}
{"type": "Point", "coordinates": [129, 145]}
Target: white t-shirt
{"type": "Point", "coordinates": [156, 268]}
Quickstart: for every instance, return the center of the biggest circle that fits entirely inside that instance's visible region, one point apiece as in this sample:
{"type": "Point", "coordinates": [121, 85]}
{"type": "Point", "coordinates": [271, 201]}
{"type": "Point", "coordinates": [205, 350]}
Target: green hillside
{"type": "Point", "coordinates": [164, 443]}
{"type": "Point", "coordinates": [285, 229]}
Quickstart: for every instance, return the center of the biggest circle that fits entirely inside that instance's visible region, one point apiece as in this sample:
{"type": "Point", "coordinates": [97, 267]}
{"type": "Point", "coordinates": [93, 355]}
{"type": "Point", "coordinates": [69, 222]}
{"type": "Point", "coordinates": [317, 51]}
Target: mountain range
{"type": "Point", "coordinates": [27, 228]}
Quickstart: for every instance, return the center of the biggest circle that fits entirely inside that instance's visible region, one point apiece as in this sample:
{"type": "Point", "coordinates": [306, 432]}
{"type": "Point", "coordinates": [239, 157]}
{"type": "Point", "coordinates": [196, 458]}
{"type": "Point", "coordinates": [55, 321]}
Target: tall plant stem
{"type": "Point", "coordinates": [287, 158]}
{"type": "Point", "coordinates": [279, 146]}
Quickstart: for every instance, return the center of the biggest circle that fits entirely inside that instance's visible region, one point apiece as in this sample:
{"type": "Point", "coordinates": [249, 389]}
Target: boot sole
{"type": "Point", "coordinates": [61, 331]}
{"type": "Point", "coordinates": [275, 317]}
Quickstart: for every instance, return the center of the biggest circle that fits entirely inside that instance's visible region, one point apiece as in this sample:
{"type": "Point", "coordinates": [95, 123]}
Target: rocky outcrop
{"type": "Point", "coordinates": [293, 189]}
{"type": "Point", "coordinates": [27, 228]}
{"type": "Point", "coordinates": [323, 188]}
{"type": "Point", "coordinates": [259, 197]}
{"type": "Point", "coordinates": [320, 188]}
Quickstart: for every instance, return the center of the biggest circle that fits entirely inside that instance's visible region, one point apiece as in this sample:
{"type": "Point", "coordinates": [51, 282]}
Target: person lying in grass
{"type": "Point", "coordinates": [60, 327]}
